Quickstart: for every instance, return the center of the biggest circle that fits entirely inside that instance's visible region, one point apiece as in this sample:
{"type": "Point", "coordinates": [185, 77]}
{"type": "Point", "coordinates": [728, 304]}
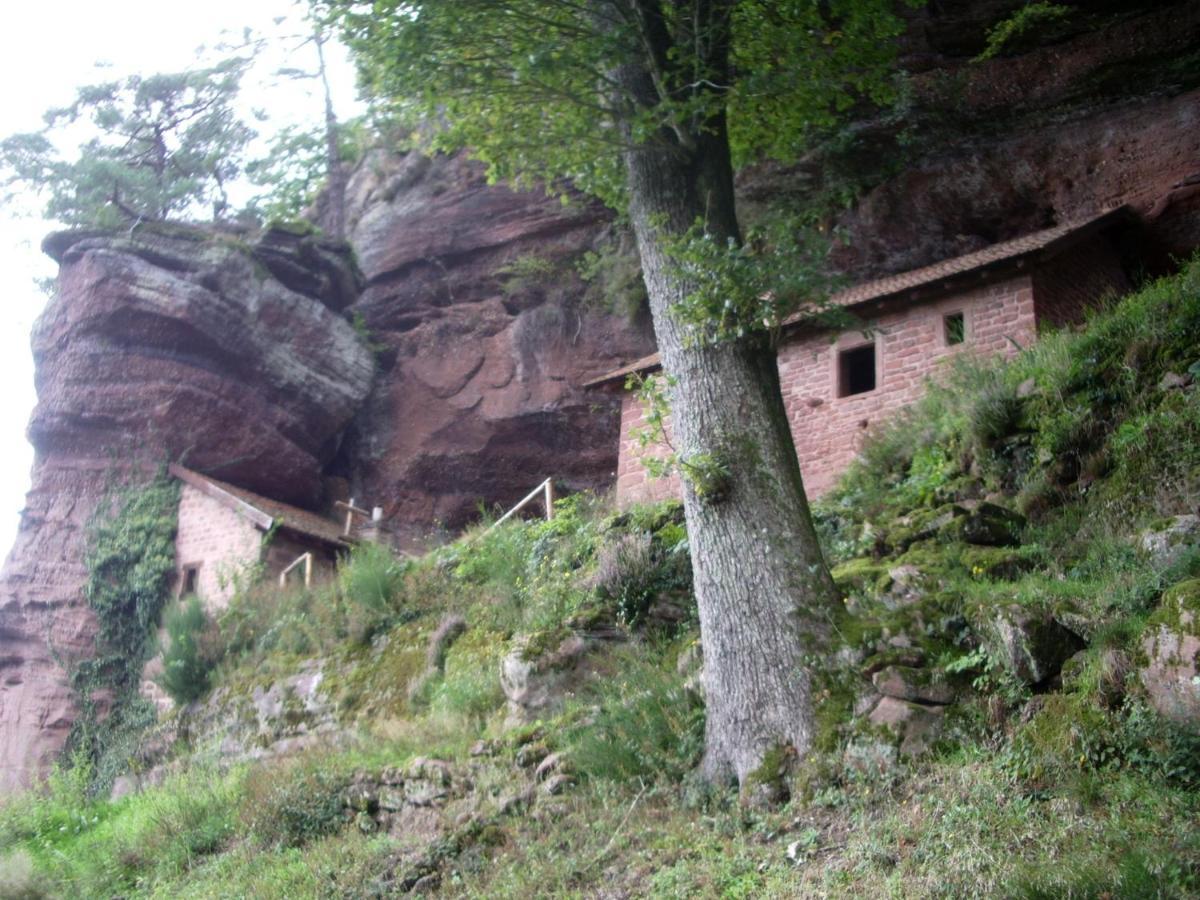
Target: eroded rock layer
{"type": "Point", "coordinates": [162, 345]}
{"type": "Point", "coordinates": [486, 337]}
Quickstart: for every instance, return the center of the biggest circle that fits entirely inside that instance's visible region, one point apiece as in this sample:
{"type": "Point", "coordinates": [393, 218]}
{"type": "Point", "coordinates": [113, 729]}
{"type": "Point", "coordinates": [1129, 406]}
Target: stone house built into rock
{"type": "Point", "coordinates": [225, 532]}
{"type": "Point", "coordinates": [837, 387]}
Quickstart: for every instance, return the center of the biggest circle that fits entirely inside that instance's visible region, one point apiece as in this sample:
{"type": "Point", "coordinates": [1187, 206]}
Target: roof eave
{"type": "Point", "coordinates": [978, 276]}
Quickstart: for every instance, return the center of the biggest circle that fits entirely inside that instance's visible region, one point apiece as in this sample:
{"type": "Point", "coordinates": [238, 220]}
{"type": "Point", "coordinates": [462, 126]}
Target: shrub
{"type": "Point", "coordinates": [1032, 17]}
{"type": "Point", "coordinates": [186, 667]}
{"type": "Point", "coordinates": [291, 804]}
{"type": "Point", "coordinates": [18, 881]}
{"type": "Point", "coordinates": [372, 583]}
{"type": "Point", "coordinates": [372, 578]}
{"type": "Point", "coordinates": [633, 570]}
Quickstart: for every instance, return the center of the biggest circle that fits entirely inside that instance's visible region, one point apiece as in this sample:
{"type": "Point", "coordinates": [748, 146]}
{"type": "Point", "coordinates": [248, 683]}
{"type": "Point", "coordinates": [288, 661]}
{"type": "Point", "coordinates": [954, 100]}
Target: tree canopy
{"type": "Point", "coordinates": [528, 85]}
{"type": "Point", "coordinates": [159, 147]}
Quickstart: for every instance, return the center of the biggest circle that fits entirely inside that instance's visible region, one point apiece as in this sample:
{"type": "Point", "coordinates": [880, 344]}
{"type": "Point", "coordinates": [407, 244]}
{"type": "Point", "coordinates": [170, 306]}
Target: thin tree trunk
{"type": "Point", "coordinates": [765, 597]}
{"type": "Point", "coordinates": [335, 174]}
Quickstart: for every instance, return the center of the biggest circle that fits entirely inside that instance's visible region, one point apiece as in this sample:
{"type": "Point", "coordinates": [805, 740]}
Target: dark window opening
{"type": "Point", "coordinates": [191, 575]}
{"type": "Point", "coordinates": [955, 328]}
{"type": "Point", "coordinates": [856, 371]}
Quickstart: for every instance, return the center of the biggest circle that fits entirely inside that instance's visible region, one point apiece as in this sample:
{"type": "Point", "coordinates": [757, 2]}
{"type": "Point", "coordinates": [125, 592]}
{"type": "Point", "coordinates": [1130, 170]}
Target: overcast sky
{"type": "Point", "coordinates": [46, 51]}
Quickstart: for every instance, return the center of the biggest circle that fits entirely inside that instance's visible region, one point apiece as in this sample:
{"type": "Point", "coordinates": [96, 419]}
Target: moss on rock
{"type": "Point", "coordinates": [864, 576]}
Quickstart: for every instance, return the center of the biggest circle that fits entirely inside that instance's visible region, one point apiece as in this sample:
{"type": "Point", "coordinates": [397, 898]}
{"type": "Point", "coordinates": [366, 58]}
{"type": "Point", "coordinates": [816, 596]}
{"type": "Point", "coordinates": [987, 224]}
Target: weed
{"type": "Point", "coordinates": [647, 726]}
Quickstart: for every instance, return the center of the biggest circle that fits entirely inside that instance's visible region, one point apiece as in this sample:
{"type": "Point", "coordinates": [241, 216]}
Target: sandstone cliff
{"type": "Point", "coordinates": [486, 335]}
{"type": "Point", "coordinates": [165, 344]}
{"type": "Point", "coordinates": [1099, 110]}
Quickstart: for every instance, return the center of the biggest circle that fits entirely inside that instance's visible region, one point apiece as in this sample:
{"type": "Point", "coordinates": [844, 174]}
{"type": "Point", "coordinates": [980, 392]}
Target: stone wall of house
{"type": "Point", "coordinates": [1067, 285]}
{"type": "Point", "coordinates": [910, 345]}
{"type": "Point", "coordinates": [217, 539]}
{"type": "Point", "coordinates": [634, 482]}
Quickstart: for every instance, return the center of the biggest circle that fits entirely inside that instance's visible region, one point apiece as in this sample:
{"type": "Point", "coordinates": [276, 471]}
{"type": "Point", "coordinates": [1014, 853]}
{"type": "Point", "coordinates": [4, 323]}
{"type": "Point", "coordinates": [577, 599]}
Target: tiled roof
{"type": "Point", "coordinates": [264, 511]}
{"type": "Point", "coordinates": [935, 277]}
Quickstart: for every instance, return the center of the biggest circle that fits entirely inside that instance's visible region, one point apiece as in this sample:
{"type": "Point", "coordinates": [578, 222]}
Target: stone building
{"type": "Point", "coordinates": [222, 536]}
{"type": "Point", "coordinates": [836, 387]}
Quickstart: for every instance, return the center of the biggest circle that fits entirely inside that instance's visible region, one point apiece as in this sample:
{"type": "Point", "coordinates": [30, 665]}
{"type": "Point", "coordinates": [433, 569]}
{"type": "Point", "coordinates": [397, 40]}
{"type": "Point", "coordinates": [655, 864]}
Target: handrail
{"type": "Point", "coordinates": [307, 559]}
{"type": "Point", "coordinates": [546, 488]}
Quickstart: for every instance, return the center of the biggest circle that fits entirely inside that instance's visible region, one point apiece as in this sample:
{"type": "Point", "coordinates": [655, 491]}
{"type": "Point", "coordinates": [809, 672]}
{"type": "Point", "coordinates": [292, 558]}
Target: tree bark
{"type": "Point", "coordinates": [765, 597]}
{"type": "Point", "coordinates": [335, 172]}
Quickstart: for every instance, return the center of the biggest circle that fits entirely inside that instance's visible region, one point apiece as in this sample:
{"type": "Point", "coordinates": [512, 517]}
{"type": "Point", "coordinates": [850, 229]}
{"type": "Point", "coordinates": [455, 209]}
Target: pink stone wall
{"type": "Point", "coordinates": [910, 346]}
{"type": "Point", "coordinates": [217, 539]}
{"type": "Point", "coordinates": [634, 483]}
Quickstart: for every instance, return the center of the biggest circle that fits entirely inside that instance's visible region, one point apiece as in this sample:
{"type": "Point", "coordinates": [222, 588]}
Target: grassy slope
{"type": "Point", "coordinates": [1077, 789]}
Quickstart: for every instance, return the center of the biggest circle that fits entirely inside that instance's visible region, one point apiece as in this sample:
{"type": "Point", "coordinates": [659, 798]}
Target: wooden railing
{"type": "Point", "coordinates": [545, 490]}
{"type": "Point", "coordinates": [307, 559]}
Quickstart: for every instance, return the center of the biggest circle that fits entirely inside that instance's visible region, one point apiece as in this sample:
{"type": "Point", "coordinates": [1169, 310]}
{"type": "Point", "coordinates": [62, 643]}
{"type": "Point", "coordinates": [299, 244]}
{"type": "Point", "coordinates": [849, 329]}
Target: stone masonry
{"type": "Point", "coordinates": [219, 542]}
{"type": "Point", "coordinates": [838, 387]}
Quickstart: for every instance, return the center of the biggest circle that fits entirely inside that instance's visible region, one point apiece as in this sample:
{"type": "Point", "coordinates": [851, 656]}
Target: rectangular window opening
{"type": "Point", "coordinates": [856, 370]}
{"type": "Point", "coordinates": [189, 581]}
{"type": "Point", "coordinates": [954, 327]}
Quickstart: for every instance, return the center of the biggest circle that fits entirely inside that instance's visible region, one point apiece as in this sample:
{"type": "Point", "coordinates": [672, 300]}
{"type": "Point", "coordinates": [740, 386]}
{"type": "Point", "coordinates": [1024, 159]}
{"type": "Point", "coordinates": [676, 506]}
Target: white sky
{"type": "Point", "coordinates": [47, 49]}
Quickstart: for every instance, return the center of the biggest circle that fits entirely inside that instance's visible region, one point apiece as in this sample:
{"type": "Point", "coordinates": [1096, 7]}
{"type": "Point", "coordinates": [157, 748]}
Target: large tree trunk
{"type": "Point", "coordinates": [765, 597]}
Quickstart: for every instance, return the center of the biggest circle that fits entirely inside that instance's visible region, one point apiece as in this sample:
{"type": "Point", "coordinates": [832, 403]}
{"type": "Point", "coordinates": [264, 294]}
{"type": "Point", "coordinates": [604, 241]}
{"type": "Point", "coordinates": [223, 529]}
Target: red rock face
{"type": "Point", "coordinates": [170, 346]}
{"type": "Point", "coordinates": [473, 290]}
{"type": "Point", "coordinates": [1105, 113]}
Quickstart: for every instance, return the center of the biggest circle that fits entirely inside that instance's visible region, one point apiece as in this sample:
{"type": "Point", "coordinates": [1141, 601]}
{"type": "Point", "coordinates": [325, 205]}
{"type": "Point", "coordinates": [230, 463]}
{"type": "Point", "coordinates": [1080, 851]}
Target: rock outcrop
{"type": "Point", "coordinates": [1100, 111]}
{"type": "Point", "coordinates": [486, 339]}
{"type": "Point", "coordinates": [163, 344]}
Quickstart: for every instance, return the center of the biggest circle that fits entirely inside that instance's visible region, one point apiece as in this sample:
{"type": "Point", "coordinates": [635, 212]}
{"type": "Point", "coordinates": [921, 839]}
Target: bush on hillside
{"type": "Point", "coordinates": [186, 666]}
{"type": "Point", "coordinates": [646, 725]}
{"type": "Point", "coordinates": [291, 804]}
{"type": "Point", "coordinates": [372, 584]}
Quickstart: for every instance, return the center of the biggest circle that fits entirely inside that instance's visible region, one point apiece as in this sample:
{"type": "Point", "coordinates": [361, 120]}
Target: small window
{"type": "Point", "coordinates": [189, 581]}
{"type": "Point", "coordinates": [954, 327]}
{"type": "Point", "coordinates": [856, 370]}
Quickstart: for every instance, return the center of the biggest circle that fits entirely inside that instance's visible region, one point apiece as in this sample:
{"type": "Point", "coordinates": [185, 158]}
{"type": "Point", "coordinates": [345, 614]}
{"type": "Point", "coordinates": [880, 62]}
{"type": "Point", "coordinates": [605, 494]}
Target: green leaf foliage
{"type": "Point", "coordinates": [185, 674]}
{"type": "Point", "coordinates": [130, 561]}
{"type": "Point", "coordinates": [295, 168]}
{"type": "Point", "coordinates": [163, 146]}
{"type": "Point", "coordinates": [1029, 18]}
{"type": "Point", "coordinates": [528, 86]}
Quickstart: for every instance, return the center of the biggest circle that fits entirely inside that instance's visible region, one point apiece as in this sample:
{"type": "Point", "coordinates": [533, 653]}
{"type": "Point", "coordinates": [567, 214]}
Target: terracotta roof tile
{"type": "Point", "coordinates": [1049, 242]}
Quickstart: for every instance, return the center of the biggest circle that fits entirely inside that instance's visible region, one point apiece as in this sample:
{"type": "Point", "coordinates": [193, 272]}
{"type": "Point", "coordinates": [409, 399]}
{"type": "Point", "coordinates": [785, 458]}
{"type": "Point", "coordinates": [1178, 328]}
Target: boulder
{"type": "Point", "coordinates": [1029, 641]}
{"type": "Point", "coordinates": [922, 524]}
{"type": "Point", "coordinates": [1171, 644]}
{"type": "Point", "coordinates": [539, 672]}
{"type": "Point", "coordinates": [905, 683]}
{"type": "Point", "coordinates": [987, 524]}
{"type": "Point", "coordinates": [914, 727]}
{"type": "Point", "coordinates": [1167, 544]}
